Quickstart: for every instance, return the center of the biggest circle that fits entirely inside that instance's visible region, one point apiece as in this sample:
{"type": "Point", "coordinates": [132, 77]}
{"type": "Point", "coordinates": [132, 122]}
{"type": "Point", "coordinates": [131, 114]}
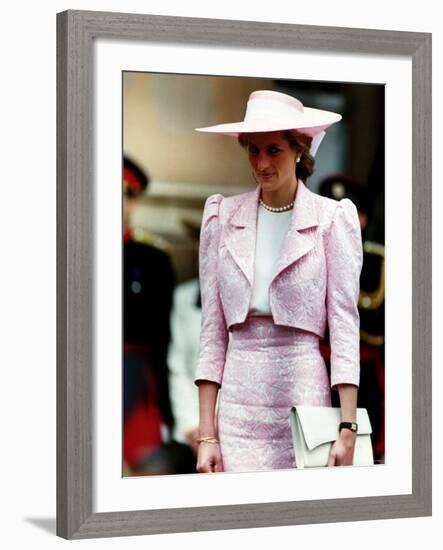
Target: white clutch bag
{"type": "Point", "coordinates": [314, 430]}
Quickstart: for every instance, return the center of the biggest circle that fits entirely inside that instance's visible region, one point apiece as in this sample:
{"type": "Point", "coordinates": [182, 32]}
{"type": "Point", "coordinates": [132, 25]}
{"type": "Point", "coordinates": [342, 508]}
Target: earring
{"type": "Point", "coordinates": [298, 160]}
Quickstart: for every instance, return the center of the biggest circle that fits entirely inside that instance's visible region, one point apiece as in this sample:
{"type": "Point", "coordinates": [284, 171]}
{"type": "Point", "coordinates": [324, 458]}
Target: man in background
{"type": "Point", "coordinates": [148, 283]}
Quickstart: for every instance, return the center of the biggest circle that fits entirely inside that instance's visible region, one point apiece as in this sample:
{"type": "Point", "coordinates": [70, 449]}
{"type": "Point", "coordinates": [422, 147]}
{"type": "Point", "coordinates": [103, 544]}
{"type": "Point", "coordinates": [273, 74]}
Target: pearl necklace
{"type": "Point", "coordinates": [278, 209]}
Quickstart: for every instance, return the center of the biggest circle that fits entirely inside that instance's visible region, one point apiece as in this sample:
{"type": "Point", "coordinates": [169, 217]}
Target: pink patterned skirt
{"type": "Point", "coordinates": [269, 368]}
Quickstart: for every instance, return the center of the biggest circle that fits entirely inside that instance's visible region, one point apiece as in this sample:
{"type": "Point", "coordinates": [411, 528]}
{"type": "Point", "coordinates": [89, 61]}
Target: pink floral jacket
{"type": "Point", "coordinates": [315, 282]}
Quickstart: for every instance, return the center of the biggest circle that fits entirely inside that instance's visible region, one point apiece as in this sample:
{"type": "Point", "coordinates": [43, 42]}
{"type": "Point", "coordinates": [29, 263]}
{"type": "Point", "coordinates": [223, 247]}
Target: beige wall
{"type": "Point", "coordinates": [160, 114]}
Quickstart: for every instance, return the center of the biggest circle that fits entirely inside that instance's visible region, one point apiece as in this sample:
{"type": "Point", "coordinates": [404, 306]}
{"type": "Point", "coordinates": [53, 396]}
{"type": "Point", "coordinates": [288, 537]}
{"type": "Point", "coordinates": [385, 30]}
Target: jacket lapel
{"type": "Point", "coordinates": [298, 241]}
{"type": "Point", "coordinates": [242, 234]}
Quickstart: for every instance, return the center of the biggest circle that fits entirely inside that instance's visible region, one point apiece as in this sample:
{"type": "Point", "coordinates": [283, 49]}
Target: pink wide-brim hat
{"type": "Point", "coordinates": [269, 111]}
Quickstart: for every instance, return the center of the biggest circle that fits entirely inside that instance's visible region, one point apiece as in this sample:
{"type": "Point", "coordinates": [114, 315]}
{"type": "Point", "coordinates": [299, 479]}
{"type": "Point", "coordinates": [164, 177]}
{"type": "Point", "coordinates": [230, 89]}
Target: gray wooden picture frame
{"type": "Point", "coordinates": [76, 32]}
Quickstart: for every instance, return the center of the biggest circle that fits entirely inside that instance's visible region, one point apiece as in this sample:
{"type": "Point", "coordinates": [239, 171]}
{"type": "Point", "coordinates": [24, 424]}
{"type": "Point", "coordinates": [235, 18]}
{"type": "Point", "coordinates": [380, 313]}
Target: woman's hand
{"type": "Point", "coordinates": [209, 458]}
{"type": "Point", "coordinates": [342, 451]}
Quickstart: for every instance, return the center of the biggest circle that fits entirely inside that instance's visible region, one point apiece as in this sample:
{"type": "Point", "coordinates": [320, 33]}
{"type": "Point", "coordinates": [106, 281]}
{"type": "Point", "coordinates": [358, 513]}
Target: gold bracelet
{"type": "Point", "coordinates": [207, 440]}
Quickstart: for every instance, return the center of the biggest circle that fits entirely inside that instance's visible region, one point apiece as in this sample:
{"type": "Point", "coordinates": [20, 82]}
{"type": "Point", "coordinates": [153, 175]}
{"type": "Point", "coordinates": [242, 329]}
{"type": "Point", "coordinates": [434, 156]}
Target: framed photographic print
{"type": "Point", "coordinates": [160, 248]}
{"type": "Point", "coordinates": [131, 90]}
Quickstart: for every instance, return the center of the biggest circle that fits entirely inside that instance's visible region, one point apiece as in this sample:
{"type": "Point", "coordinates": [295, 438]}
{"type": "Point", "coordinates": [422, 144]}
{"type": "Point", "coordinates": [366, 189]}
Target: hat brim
{"type": "Point", "coordinates": [310, 122]}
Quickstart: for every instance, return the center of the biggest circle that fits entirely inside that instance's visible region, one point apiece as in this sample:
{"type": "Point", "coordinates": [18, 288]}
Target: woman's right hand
{"type": "Point", "coordinates": [209, 458]}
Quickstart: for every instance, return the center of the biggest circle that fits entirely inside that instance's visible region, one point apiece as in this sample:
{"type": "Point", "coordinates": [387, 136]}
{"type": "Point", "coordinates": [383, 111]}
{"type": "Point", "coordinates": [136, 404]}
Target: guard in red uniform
{"type": "Point", "coordinates": [148, 283]}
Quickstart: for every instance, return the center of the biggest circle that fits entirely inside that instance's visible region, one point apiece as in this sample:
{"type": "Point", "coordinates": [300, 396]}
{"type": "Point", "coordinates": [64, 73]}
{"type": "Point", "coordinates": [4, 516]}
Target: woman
{"type": "Point", "coordinates": [277, 265]}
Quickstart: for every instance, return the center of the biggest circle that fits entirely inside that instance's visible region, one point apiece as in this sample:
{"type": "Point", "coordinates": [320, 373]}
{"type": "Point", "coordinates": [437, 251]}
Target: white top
{"type": "Point", "coordinates": [271, 230]}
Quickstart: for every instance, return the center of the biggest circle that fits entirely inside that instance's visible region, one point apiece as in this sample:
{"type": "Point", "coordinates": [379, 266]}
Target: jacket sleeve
{"type": "Point", "coordinates": [344, 256]}
{"type": "Point", "coordinates": [214, 332]}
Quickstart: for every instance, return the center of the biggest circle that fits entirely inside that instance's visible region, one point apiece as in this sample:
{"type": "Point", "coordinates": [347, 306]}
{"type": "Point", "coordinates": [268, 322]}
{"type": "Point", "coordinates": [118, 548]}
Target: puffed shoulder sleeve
{"type": "Point", "coordinates": [214, 333]}
{"type": "Point", "coordinates": [344, 255]}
